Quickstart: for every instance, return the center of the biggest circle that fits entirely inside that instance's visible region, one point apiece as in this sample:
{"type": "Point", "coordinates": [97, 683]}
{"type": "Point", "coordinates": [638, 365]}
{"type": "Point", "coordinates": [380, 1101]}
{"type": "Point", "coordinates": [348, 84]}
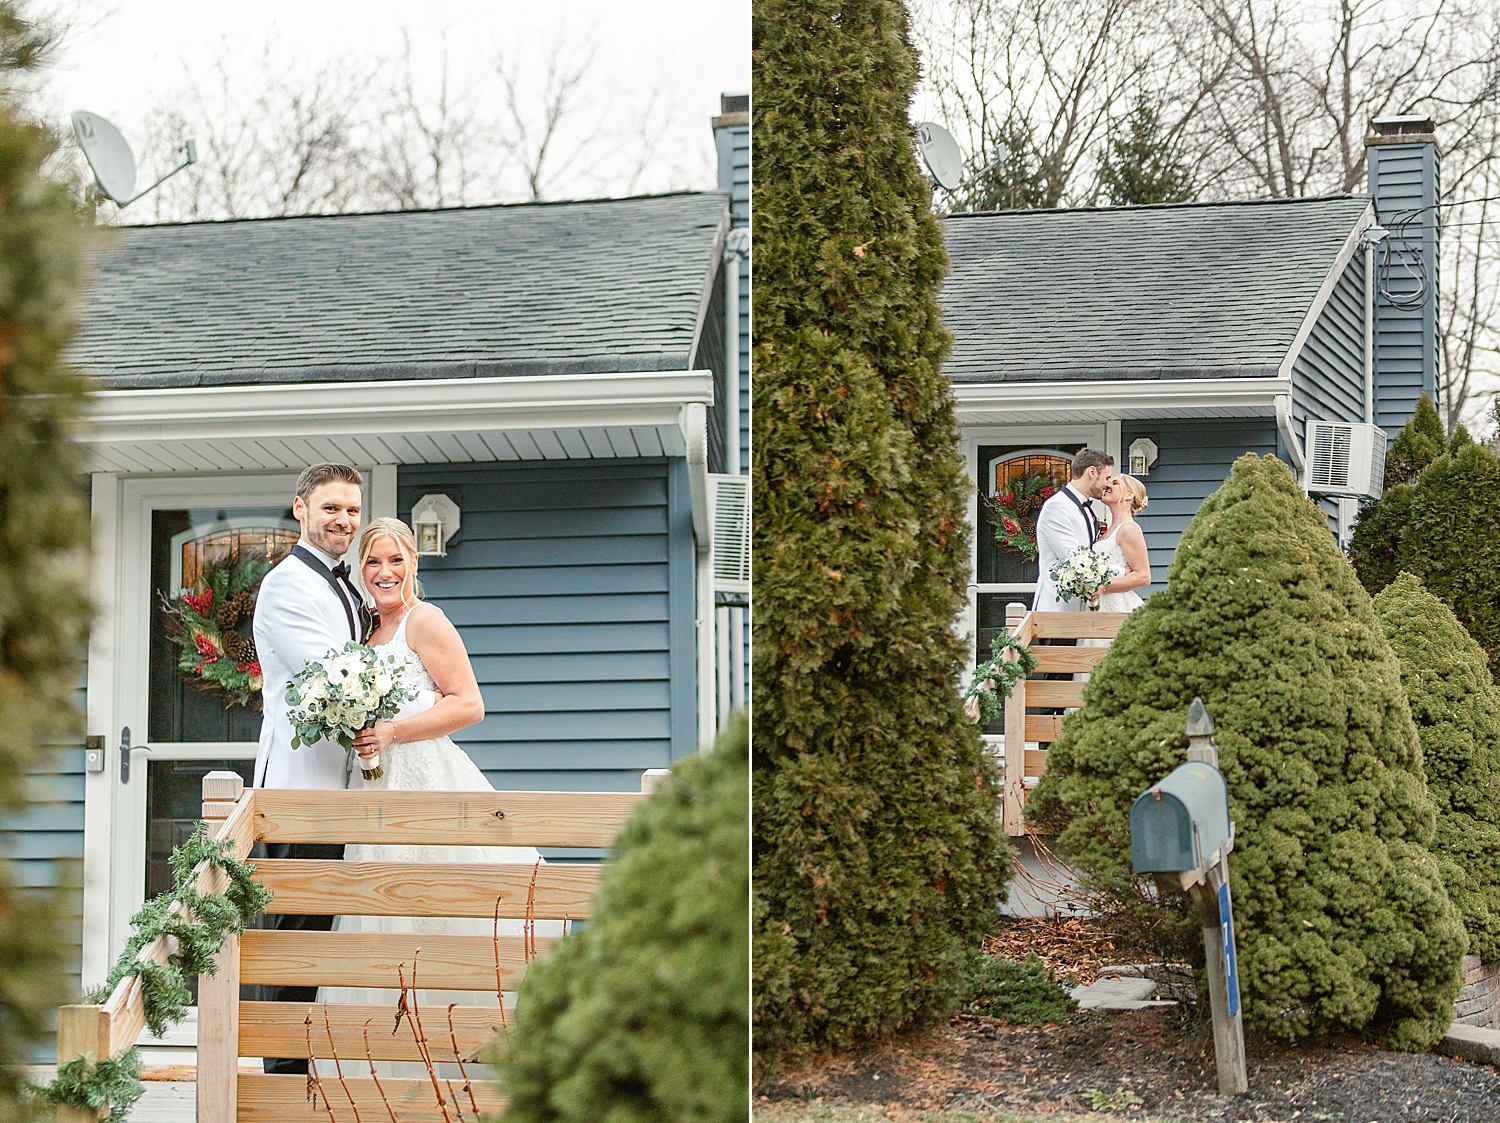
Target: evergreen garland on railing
{"type": "Point", "coordinates": [995, 679]}
{"type": "Point", "coordinates": [200, 929]}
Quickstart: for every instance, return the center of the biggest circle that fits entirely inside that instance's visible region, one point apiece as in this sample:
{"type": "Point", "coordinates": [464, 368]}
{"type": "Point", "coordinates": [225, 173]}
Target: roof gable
{"type": "Point", "coordinates": [563, 288]}
{"type": "Point", "coordinates": [1184, 291]}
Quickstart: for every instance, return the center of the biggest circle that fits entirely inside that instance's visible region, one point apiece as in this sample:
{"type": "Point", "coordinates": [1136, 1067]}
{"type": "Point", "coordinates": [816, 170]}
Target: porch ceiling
{"type": "Point", "coordinates": [431, 421]}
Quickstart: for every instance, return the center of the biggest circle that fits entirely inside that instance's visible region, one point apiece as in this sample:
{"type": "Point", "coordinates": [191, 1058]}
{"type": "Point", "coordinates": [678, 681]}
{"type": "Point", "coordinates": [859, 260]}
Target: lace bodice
{"type": "Point", "coordinates": [1106, 546]}
{"type": "Point", "coordinates": [414, 674]}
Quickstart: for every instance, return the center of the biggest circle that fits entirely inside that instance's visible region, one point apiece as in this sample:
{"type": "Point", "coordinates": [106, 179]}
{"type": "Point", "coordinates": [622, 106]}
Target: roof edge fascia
{"type": "Point", "coordinates": [1125, 398]}
{"type": "Point", "coordinates": [1325, 290]}
{"type": "Point", "coordinates": [199, 413]}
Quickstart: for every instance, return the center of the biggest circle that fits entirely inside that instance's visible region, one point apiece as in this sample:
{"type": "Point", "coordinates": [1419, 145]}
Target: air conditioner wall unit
{"type": "Point", "coordinates": [1345, 458]}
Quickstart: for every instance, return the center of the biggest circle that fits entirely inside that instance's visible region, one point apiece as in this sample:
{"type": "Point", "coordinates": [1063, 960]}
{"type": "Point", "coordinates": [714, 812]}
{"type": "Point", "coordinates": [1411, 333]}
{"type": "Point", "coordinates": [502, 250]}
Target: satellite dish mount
{"type": "Point", "coordinates": [112, 161]}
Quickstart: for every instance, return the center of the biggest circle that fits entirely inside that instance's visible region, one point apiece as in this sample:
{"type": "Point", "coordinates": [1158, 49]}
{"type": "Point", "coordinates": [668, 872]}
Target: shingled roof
{"type": "Point", "coordinates": [1196, 290]}
{"type": "Point", "coordinates": [562, 288]}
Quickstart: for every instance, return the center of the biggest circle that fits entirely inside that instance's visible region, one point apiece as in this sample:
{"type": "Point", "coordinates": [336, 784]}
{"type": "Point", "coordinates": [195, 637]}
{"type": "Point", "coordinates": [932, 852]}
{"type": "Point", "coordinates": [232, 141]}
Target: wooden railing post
{"type": "Point", "coordinates": [82, 1031]}
{"type": "Point", "coordinates": [1015, 738]}
{"type": "Point", "coordinates": [219, 993]}
{"type": "Point", "coordinates": [653, 778]}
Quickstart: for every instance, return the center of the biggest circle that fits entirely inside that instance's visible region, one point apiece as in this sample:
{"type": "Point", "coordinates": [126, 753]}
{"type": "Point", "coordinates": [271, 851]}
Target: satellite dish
{"type": "Point", "coordinates": [941, 155]}
{"type": "Point", "coordinates": [108, 155]}
{"type": "Point", "coordinates": [113, 163]}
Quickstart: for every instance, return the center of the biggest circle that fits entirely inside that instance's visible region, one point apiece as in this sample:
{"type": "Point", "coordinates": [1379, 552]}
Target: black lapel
{"type": "Point", "coordinates": [307, 557]}
{"type": "Point", "coordinates": [1084, 509]}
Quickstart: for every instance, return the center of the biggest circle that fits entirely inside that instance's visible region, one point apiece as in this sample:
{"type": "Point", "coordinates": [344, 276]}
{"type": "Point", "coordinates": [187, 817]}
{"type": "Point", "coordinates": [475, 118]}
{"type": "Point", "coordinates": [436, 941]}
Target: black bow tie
{"type": "Point", "coordinates": [342, 571]}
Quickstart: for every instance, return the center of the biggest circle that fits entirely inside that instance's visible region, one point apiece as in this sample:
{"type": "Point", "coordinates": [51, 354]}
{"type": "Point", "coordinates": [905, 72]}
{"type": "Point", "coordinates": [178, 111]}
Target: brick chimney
{"type": "Point", "coordinates": [1404, 166]}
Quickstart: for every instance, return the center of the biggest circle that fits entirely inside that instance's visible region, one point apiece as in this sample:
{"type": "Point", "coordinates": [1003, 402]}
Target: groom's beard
{"type": "Point", "coordinates": [330, 546]}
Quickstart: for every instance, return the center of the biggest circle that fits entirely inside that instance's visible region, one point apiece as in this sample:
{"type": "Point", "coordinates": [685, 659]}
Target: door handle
{"type": "Point", "coordinates": [125, 755]}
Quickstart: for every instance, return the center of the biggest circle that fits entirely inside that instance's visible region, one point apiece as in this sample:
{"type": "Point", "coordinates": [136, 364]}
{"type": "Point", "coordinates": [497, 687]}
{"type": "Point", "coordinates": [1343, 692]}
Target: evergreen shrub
{"type": "Point", "coordinates": [879, 856]}
{"type": "Point", "coordinates": [1451, 539]}
{"type": "Point", "coordinates": [1457, 712]}
{"type": "Point", "coordinates": [643, 1015]}
{"type": "Point", "coordinates": [44, 609]}
{"type": "Point", "coordinates": [1342, 917]}
{"type": "Point", "coordinates": [1023, 992]}
{"type": "Point", "coordinates": [1377, 535]}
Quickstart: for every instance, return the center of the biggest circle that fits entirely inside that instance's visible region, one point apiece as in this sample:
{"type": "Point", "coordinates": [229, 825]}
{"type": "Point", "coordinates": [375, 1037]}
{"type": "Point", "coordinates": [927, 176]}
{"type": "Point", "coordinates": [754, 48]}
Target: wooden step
{"type": "Point", "coordinates": [283, 1099]}
{"type": "Point", "coordinates": [279, 1029]}
{"type": "Point", "coordinates": [560, 892]}
{"type": "Point", "coordinates": [571, 819]}
{"type": "Point", "coordinates": [371, 959]}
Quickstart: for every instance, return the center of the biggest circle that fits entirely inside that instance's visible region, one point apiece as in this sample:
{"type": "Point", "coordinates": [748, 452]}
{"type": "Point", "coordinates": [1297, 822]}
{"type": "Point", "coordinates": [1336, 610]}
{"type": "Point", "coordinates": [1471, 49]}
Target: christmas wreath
{"type": "Point", "coordinates": [1014, 511]}
{"type": "Point", "coordinates": [204, 623]}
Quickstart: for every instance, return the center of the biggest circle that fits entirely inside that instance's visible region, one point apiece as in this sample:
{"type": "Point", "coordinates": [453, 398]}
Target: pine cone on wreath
{"type": "Point", "coordinates": [238, 648]}
{"type": "Point", "coordinates": [236, 607]}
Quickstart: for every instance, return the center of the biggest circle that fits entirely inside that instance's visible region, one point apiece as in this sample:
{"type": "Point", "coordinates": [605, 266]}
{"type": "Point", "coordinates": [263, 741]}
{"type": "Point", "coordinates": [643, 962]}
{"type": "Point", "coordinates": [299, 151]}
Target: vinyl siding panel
{"type": "Point", "coordinates": [1405, 178]}
{"type": "Point", "coordinates": [572, 588]}
{"type": "Point", "coordinates": [1194, 458]}
{"type": "Point", "coordinates": [1328, 374]}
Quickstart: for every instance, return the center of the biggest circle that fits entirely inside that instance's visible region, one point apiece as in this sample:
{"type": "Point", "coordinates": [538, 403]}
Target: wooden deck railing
{"type": "Point", "coordinates": [1023, 729]}
{"type": "Point", "coordinates": [229, 1028]}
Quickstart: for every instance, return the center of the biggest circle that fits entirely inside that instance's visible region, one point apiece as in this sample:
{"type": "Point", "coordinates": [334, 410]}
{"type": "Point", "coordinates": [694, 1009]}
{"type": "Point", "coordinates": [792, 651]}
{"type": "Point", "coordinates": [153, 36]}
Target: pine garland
{"type": "Point", "coordinates": [116, 1083]}
{"type": "Point", "coordinates": [200, 929]}
{"type": "Point", "coordinates": [994, 681]}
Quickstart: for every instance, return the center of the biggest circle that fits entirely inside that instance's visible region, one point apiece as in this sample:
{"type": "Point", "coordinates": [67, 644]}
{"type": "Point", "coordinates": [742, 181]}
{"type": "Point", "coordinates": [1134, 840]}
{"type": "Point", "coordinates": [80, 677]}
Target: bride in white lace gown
{"type": "Point", "coordinates": [417, 754]}
{"type": "Point", "coordinates": [1124, 546]}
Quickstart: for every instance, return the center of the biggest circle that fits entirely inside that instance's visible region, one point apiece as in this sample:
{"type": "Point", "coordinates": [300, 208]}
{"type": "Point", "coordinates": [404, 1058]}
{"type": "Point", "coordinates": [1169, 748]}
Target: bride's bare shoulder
{"type": "Point", "coordinates": [426, 621]}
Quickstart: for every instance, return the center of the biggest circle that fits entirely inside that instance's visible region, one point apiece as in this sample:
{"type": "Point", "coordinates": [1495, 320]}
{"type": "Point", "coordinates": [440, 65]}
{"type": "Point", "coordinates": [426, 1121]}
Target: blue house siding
{"type": "Point", "coordinates": [1194, 458]}
{"type": "Point", "coordinates": [1405, 180]}
{"type": "Point", "coordinates": [1328, 376]}
{"type": "Point", "coordinates": [572, 586]}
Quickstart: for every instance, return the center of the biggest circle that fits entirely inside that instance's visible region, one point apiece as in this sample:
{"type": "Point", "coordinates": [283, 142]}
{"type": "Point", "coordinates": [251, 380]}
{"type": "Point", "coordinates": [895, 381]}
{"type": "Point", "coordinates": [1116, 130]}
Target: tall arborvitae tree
{"type": "Point", "coordinates": [1343, 919]}
{"type": "Point", "coordinates": [1141, 165]}
{"type": "Point", "coordinates": [43, 534]}
{"type": "Point", "coordinates": [1377, 534]}
{"type": "Point", "coordinates": [1457, 711]}
{"type": "Point", "coordinates": [878, 854]}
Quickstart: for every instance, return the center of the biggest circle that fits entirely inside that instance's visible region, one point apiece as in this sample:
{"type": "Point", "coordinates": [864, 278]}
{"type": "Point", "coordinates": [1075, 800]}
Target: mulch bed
{"type": "Point", "coordinates": [1155, 1056]}
{"type": "Point", "coordinates": [1162, 1057]}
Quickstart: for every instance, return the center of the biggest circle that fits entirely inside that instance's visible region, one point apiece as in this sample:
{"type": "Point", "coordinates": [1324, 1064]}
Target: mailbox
{"type": "Point", "coordinates": [1178, 824]}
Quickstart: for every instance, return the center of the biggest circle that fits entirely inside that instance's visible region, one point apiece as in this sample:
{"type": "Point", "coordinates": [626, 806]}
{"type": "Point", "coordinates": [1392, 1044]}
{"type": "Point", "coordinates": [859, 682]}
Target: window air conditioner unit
{"type": "Point", "coordinates": [1345, 458]}
{"type": "Point", "coordinates": [729, 512]}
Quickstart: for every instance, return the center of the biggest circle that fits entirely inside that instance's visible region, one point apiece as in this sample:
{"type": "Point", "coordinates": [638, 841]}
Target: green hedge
{"type": "Point", "coordinates": [643, 1015]}
{"type": "Point", "coordinates": [1343, 919]}
{"type": "Point", "coordinates": [879, 858]}
{"type": "Point", "coordinates": [1457, 711]}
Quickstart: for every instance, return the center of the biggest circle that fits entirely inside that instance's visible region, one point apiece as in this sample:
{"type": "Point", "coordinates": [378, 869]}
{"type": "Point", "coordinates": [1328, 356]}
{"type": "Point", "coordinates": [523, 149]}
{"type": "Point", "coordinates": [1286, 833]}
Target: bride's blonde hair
{"type": "Point", "coordinates": [1138, 490]}
{"type": "Point", "coordinates": [406, 544]}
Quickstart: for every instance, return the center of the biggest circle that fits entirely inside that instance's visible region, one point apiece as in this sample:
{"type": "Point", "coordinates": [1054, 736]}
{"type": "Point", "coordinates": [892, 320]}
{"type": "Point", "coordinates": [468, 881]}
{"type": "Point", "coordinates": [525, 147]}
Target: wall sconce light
{"type": "Point", "coordinates": [434, 520]}
{"type": "Point", "coordinates": [1142, 456]}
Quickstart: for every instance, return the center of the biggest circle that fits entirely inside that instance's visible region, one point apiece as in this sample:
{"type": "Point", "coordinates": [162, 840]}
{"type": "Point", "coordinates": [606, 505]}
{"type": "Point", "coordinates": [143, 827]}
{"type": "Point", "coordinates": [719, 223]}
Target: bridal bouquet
{"type": "Point", "coordinates": [342, 693]}
{"type": "Point", "coordinates": [1081, 574]}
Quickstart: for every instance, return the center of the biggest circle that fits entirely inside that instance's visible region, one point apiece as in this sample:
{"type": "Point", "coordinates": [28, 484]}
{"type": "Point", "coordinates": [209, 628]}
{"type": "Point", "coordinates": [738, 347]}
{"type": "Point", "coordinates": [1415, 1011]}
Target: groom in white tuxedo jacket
{"type": "Point", "coordinates": [1067, 522]}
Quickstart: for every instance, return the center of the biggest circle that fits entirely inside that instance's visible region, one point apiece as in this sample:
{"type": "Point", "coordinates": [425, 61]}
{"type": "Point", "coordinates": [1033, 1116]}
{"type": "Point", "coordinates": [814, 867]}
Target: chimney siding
{"type": "Point", "coordinates": [1404, 176]}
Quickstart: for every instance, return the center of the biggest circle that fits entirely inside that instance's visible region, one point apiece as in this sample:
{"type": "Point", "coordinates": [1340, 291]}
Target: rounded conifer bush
{"type": "Point", "coordinates": [1377, 535]}
{"type": "Point", "coordinates": [1343, 920]}
{"type": "Point", "coordinates": [879, 857]}
{"type": "Point", "coordinates": [643, 1015]}
{"type": "Point", "coordinates": [1457, 712]}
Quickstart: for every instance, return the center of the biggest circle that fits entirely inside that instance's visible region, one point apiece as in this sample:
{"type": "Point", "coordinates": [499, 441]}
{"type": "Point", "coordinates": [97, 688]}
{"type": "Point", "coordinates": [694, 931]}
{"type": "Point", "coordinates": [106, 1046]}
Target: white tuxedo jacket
{"type": "Point", "coordinates": [298, 617]}
{"type": "Point", "coordinates": [1061, 528]}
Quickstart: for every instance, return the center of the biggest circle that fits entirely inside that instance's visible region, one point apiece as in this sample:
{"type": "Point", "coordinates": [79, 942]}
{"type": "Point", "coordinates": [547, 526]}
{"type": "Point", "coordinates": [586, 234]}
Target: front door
{"type": "Point", "coordinates": [193, 552]}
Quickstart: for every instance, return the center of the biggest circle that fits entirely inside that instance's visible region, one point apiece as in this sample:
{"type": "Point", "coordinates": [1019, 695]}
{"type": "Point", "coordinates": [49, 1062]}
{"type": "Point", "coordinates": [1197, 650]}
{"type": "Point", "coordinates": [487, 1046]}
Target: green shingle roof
{"type": "Point", "coordinates": [563, 288]}
{"type": "Point", "coordinates": [1196, 290]}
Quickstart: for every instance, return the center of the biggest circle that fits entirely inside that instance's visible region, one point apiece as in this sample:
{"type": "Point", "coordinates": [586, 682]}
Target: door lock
{"type": "Point", "coordinates": [125, 755]}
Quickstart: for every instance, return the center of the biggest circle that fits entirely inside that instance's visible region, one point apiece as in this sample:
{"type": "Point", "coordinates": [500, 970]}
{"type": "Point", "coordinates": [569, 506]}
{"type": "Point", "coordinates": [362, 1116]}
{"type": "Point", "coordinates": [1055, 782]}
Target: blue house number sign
{"type": "Point", "coordinates": [1226, 931]}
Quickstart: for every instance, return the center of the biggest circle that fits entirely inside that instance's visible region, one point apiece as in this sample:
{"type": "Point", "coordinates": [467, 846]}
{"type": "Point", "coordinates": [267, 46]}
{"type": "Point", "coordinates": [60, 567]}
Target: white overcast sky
{"type": "Point", "coordinates": [123, 59]}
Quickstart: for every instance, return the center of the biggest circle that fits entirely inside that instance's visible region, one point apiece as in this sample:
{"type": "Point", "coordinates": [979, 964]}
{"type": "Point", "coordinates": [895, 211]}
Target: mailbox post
{"type": "Point", "coordinates": [1181, 826]}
